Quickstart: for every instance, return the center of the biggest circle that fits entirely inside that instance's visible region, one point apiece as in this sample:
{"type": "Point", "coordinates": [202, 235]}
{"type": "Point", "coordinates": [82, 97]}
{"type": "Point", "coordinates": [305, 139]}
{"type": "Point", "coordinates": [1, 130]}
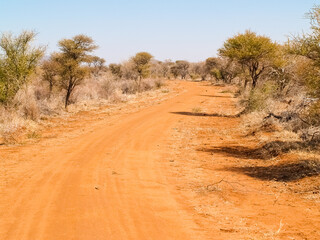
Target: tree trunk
{"type": "Point", "coordinates": [67, 98]}
{"type": "Point", "coordinates": [50, 88]}
{"type": "Point", "coordinates": [139, 83]}
{"type": "Point", "coordinates": [69, 91]}
{"type": "Point", "coordinates": [254, 81]}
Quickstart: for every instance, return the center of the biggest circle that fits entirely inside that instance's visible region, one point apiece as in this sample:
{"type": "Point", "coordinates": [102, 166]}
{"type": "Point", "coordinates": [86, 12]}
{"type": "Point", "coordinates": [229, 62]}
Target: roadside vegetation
{"type": "Point", "coordinates": [278, 88]}
{"type": "Point", "coordinates": [279, 84]}
{"type": "Point", "coordinates": [35, 86]}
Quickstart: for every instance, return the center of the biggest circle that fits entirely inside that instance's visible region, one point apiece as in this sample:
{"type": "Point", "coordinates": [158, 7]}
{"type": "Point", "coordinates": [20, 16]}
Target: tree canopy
{"type": "Point", "coordinates": [308, 45]}
{"type": "Point", "coordinates": [141, 64]}
{"type": "Point", "coordinates": [74, 53]}
{"type": "Point", "coordinates": [18, 60]}
{"type": "Point", "coordinates": [255, 53]}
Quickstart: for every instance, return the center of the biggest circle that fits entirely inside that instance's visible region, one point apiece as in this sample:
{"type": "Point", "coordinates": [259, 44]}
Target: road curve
{"type": "Point", "coordinates": [108, 184]}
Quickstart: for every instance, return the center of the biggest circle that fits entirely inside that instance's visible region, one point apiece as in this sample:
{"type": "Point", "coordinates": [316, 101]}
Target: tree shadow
{"type": "Point", "coordinates": [282, 172]}
{"type": "Point", "coordinates": [205, 114]}
{"type": "Point", "coordinates": [267, 151]}
{"type": "Point", "coordinates": [215, 96]}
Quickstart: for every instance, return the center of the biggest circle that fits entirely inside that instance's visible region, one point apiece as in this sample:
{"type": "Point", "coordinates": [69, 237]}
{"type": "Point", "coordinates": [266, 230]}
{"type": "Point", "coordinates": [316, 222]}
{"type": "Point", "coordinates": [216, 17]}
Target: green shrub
{"type": "Point", "coordinates": [18, 61]}
{"type": "Point", "coordinates": [258, 97]}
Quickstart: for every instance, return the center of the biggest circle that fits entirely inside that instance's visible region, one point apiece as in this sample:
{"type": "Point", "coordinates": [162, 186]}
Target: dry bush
{"type": "Point", "coordinates": [257, 99]}
{"type": "Point", "coordinates": [14, 127]}
{"type": "Point", "coordinates": [127, 69]}
{"type": "Point", "coordinates": [107, 88]}
{"type": "Point", "coordinates": [52, 106]}
{"type": "Point", "coordinates": [158, 83]}
{"type": "Point", "coordinates": [89, 90]}
{"type": "Point", "coordinates": [196, 110]}
{"type": "Point", "coordinates": [27, 103]}
{"type": "Point", "coordinates": [96, 91]}
{"type": "Point", "coordinates": [34, 102]}
{"type": "Point", "coordinates": [100, 89]}
{"type": "Point", "coordinates": [129, 86]}
{"type": "Point", "coordinates": [12, 132]}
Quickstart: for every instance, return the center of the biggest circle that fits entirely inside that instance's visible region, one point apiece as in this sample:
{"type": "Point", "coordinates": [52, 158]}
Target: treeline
{"type": "Point", "coordinates": [66, 69]}
{"type": "Point", "coordinates": [34, 85]}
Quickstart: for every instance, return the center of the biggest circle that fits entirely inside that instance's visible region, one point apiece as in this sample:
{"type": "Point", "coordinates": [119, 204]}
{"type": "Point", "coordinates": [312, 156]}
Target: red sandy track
{"type": "Point", "coordinates": [106, 184]}
{"type": "Point", "coordinates": [149, 174]}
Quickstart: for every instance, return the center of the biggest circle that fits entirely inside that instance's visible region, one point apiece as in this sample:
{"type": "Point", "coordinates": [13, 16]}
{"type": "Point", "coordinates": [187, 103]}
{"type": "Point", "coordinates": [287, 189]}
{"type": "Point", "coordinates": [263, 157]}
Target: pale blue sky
{"type": "Point", "coordinates": [176, 29]}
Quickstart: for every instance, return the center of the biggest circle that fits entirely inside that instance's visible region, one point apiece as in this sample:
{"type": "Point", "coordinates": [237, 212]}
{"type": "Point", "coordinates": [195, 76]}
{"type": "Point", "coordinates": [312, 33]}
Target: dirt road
{"type": "Point", "coordinates": [106, 184]}
{"type": "Point", "coordinates": [153, 169]}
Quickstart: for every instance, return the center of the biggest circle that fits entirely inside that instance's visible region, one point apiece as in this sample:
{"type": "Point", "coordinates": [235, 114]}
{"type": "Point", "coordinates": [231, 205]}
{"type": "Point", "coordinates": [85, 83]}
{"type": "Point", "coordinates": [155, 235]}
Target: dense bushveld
{"type": "Point", "coordinates": [278, 83]}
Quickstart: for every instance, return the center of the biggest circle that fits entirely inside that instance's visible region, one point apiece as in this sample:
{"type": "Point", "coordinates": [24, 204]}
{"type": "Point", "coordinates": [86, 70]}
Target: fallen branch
{"type": "Point", "coordinates": [273, 115]}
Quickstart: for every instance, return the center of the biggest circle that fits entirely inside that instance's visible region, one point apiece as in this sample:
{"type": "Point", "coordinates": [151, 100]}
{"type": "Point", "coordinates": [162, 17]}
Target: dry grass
{"type": "Point", "coordinates": [13, 128]}
{"type": "Point", "coordinates": [34, 103]}
{"type": "Point", "coordinates": [196, 110]}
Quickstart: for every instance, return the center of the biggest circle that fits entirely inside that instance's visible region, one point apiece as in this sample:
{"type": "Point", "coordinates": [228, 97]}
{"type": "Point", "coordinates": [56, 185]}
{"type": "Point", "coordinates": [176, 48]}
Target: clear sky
{"type": "Point", "coordinates": [169, 29]}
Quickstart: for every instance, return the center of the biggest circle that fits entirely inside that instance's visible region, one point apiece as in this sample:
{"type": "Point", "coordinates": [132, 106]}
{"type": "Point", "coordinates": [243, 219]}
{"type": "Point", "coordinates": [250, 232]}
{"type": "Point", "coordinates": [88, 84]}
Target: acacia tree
{"type": "Point", "coordinates": [211, 65]}
{"type": "Point", "coordinates": [97, 65]}
{"type": "Point", "coordinates": [181, 68]}
{"type": "Point", "coordinates": [18, 60]}
{"type": "Point", "coordinates": [308, 45]}
{"type": "Point", "coordinates": [255, 53]}
{"type": "Point", "coordinates": [165, 68]}
{"type": "Point", "coordinates": [115, 69]}
{"type": "Point", "coordinates": [72, 59]}
{"type": "Point", "coordinates": [174, 70]}
{"type": "Point", "coordinates": [142, 65]}
{"type": "Point", "coordinates": [50, 71]}
{"type": "Point", "coordinates": [222, 68]}
{"type": "Point", "coordinates": [197, 70]}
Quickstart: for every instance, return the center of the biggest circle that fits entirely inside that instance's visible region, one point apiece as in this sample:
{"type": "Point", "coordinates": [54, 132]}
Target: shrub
{"type": "Point", "coordinates": [129, 87]}
{"type": "Point", "coordinates": [17, 63]}
{"type": "Point", "coordinates": [27, 104]}
{"type": "Point", "coordinates": [158, 83]}
{"type": "Point", "coordinates": [258, 97]}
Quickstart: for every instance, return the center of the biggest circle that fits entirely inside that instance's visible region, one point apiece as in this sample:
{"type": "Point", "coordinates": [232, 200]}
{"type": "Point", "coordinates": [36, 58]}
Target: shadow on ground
{"type": "Point", "coordinates": [282, 172]}
{"type": "Point", "coordinates": [264, 152]}
{"type": "Point", "coordinates": [215, 96]}
{"type": "Point", "coordinates": [205, 114]}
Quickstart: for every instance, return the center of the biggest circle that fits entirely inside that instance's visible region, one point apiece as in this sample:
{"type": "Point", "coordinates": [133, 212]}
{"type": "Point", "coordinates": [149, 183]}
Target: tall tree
{"type": "Point", "coordinates": [97, 65]}
{"type": "Point", "coordinates": [308, 45]}
{"type": "Point", "coordinates": [18, 60]}
{"type": "Point", "coordinates": [255, 53]}
{"type": "Point", "coordinates": [50, 71]}
{"type": "Point", "coordinates": [142, 65]}
{"type": "Point", "coordinates": [211, 65]}
{"type": "Point", "coordinates": [182, 67]}
{"type": "Point", "coordinates": [73, 55]}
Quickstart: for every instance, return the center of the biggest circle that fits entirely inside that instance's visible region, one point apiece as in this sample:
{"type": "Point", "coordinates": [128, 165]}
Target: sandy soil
{"type": "Point", "coordinates": [155, 169]}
